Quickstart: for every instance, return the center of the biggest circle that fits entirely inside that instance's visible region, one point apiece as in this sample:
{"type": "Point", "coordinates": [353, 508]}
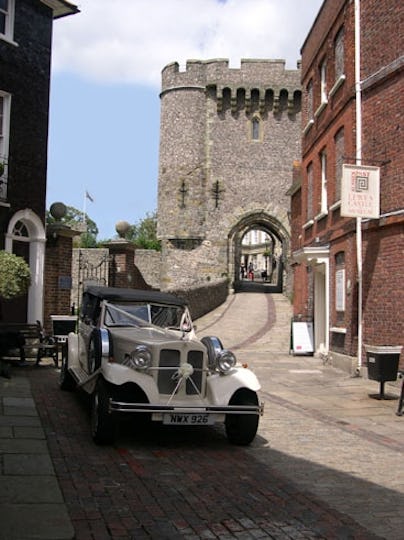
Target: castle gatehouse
{"type": "Point", "coordinates": [228, 141]}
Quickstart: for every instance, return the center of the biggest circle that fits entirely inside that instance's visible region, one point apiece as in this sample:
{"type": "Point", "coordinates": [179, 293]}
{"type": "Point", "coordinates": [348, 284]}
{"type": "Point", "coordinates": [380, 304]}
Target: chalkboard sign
{"type": "Point", "coordinates": [302, 338]}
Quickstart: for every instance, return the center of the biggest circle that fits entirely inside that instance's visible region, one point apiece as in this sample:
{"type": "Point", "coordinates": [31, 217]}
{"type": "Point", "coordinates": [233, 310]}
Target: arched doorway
{"type": "Point", "coordinates": [26, 237]}
{"type": "Point", "coordinates": [266, 250]}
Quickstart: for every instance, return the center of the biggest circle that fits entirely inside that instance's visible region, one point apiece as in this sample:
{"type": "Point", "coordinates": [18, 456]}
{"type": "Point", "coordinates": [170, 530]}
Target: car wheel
{"type": "Point", "coordinates": [213, 346]}
{"type": "Point", "coordinates": [102, 423]}
{"type": "Point", "coordinates": [66, 380]}
{"type": "Point", "coordinates": [242, 428]}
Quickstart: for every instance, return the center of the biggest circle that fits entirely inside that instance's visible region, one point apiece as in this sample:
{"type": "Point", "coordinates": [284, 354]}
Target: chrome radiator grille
{"type": "Point", "coordinates": [170, 360]}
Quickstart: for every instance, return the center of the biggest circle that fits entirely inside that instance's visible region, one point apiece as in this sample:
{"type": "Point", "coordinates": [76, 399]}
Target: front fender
{"type": "Point", "coordinates": [220, 388]}
{"type": "Point", "coordinates": [118, 374]}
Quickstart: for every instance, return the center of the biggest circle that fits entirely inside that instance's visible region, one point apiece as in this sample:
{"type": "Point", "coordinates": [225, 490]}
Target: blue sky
{"type": "Point", "coordinates": [106, 69]}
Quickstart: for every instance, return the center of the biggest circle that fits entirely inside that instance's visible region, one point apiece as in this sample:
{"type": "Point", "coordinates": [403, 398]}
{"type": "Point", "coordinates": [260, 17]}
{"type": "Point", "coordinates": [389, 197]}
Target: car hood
{"type": "Point", "coordinates": [150, 335]}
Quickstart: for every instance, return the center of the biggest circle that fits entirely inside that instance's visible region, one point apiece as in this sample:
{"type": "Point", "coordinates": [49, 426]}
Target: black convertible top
{"type": "Point", "coordinates": [134, 295]}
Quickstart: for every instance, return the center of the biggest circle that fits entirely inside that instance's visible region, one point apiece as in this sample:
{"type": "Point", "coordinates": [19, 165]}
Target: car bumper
{"type": "Point", "coordinates": [120, 406]}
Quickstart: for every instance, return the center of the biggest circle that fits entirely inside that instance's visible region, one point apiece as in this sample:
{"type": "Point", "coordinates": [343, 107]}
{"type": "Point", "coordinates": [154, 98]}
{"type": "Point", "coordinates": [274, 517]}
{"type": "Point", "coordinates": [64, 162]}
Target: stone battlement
{"type": "Point", "coordinates": [252, 73]}
{"type": "Point", "coordinates": [266, 82]}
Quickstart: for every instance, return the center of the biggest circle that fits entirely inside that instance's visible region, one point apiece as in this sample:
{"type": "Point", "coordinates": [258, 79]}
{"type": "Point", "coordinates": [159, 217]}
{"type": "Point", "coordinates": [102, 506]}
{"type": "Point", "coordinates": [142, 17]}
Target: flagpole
{"type": "Point", "coordinates": [85, 210]}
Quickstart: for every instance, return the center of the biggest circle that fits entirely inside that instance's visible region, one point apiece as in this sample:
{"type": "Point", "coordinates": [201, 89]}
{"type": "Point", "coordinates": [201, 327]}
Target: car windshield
{"type": "Point", "coordinates": [142, 314]}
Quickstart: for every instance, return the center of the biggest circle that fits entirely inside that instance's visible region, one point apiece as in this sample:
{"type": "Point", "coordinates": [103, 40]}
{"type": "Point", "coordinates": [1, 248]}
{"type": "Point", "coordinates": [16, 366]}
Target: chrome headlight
{"type": "Point", "coordinates": [225, 361]}
{"type": "Point", "coordinates": [141, 357]}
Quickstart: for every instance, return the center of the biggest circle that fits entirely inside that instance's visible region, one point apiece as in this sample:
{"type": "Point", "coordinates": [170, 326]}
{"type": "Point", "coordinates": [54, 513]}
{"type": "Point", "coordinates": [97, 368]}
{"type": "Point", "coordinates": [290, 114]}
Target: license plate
{"type": "Point", "coordinates": [188, 419]}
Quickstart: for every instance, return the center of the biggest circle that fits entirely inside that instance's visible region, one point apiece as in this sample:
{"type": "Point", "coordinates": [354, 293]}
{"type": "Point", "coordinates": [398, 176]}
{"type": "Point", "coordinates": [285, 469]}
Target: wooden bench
{"type": "Point", "coordinates": [19, 341]}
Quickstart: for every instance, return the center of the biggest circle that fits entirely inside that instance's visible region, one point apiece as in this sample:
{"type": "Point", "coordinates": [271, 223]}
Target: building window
{"type": "Point", "coordinates": [310, 100]}
{"type": "Point", "coordinates": [339, 54]}
{"type": "Point", "coordinates": [340, 281]}
{"type": "Point", "coordinates": [4, 140]}
{"type": "Point", "coordinates": [339, 160]}
{"type": "Point", "coordinates": [310, 191]}
{"type": "Point", "coordinates": [7, 19]}
{"type": "Point", "coordinates": [323, 194]}
{"type": "Point", "coordinates": [323, 82]}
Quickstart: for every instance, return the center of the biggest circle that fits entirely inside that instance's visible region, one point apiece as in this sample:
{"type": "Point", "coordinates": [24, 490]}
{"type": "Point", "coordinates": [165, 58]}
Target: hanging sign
{"type": "Point", "coordinates": [360, 191]}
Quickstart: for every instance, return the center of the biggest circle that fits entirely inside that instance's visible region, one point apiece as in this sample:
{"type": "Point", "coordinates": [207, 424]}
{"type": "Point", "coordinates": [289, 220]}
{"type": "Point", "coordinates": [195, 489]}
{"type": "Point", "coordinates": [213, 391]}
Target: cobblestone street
{"type": "Point", "coordinates": [326, 464]}
{"type": "Point", "coordinates": [174, 483]}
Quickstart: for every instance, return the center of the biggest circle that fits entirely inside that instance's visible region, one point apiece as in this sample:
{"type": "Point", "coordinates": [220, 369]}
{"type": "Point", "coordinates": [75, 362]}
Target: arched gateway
{"type": "Point", "coordinates": [275, 254]}
{"type": "Point", "coordinates": [228, 142]}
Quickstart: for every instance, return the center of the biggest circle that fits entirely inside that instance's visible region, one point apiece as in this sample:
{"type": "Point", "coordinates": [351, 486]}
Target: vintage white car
{"type": "Point", "coordinates": [136, 352]}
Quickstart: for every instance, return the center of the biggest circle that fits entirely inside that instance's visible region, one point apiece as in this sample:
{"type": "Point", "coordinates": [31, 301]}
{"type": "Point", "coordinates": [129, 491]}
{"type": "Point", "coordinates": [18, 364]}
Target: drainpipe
{"type": "Point", "coordinates": [358, 105]}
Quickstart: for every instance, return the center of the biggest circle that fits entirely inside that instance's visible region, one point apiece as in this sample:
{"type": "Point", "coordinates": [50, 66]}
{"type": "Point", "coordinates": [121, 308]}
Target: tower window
{"type": "Point", "coordinates": [255, 129]}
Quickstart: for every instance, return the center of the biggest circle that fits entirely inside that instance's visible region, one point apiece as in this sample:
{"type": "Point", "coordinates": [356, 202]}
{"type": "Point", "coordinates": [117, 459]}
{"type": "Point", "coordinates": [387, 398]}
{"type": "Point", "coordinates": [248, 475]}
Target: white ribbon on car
{"type": "Point", "coordinates": [183, 373]}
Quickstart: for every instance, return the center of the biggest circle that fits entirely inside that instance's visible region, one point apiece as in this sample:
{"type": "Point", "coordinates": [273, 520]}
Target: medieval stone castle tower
{"type": "Point", "coordinates": [228, 140]}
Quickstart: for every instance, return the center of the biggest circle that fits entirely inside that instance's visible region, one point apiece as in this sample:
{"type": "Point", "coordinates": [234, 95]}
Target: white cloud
{"type": "Point", "coordinates": [130, 41]}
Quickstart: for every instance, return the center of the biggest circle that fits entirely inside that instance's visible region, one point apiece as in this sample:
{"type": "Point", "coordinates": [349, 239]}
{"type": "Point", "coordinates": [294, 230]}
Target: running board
{"type": "Point", "coordinates": [81, 377]}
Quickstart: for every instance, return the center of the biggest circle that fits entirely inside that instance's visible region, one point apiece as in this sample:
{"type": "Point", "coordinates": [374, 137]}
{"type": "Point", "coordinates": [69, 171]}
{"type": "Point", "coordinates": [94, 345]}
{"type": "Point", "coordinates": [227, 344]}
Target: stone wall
{"type": "Point", "coordinates": [203, 299]}
{"type": "Point", "coordinates": [148, 262]}
{"type": "Point", "coordinates": [94, 266]}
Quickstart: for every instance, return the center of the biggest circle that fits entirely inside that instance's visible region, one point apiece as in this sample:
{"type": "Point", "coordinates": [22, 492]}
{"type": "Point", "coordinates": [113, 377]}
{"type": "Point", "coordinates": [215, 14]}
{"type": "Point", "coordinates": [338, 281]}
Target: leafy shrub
{"type": "Point", "coordinates": [15, 275]}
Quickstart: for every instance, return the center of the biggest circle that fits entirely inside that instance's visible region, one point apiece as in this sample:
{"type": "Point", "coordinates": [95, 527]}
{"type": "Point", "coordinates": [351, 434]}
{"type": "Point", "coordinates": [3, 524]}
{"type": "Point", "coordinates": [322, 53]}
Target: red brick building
{"type": "Point", "coordinates": [348, 123]}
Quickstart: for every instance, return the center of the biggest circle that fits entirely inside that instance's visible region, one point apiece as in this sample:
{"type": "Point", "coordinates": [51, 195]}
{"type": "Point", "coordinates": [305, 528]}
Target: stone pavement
{"type": "Point", "coordinates": [327, 462]}
{"type": "Point", "coordinates": [321, 428]}
{"type": "Point", "coordinates": [31, 502]}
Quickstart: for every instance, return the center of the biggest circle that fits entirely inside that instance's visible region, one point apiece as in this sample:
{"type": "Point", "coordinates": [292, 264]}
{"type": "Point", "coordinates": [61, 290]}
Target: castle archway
{"type": "Point", "coordinates": [258, 242]}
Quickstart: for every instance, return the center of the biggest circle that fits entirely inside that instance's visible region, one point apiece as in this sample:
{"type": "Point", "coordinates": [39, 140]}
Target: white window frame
{"type": "Point", "coordinates": [339, 144]}
{"type": "Point", "coordinates": [310, 191]}
{"type": "Point", "coordinates": [323, 82]}
{"type": "Point", "coordinates": [323, 201]}
{"type": "Point", "coordinates": [4, 141]}
{"type": "Point", "coordinates": [8, 34]}
{"type": "Point", "coordinates": [323, 89]}
{"type": "Point", "coordinates": [340, 289]}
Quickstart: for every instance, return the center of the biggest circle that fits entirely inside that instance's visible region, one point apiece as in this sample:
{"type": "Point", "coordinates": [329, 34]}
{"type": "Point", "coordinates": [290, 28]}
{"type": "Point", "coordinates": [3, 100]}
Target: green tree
{"type": "Point", "coordinates": [15, 275]}
{"type": "Point", "coordinates": [144, 233]}
{"type": "Point", "coordinates": [77, 220]}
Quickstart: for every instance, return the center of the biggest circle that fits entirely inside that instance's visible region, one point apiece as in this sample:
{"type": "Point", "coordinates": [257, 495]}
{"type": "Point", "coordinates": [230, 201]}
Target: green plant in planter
{"type": "Point", "coordinates": [15, 275]}
{"type": "Point", "coordinates": [1, 168]}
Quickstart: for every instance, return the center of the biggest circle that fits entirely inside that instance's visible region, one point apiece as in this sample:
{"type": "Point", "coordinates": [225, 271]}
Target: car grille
{"type": "Point", "coordinates": [170, 360]}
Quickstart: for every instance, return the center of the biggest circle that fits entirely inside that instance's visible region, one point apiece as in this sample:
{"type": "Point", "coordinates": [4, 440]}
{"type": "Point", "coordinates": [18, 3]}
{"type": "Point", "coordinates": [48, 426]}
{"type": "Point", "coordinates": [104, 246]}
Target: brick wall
{"type": "Point", "coordinates": [382, 142]}
{"type": "Point", "coordinates": [58, 270]}
{"type": "Point", "coordinates": [24, 73]}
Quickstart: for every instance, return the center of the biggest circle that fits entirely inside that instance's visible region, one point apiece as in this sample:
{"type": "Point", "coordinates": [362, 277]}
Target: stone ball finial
{"type": "Point", "coordinates": [122, 227]}
{"type": "Point", "coordinates": [58, 210]}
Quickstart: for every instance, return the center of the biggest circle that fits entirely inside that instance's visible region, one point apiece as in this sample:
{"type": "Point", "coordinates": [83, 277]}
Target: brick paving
{"type": "Point", "coordinates": [173, 483]}
{"type": "Point", "coordinates": [326, 464]}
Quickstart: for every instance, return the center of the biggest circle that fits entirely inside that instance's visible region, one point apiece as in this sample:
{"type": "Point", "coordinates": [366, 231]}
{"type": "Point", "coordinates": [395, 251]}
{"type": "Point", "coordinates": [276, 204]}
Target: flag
{"type": "Point", "coordinates": [88, 196]}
